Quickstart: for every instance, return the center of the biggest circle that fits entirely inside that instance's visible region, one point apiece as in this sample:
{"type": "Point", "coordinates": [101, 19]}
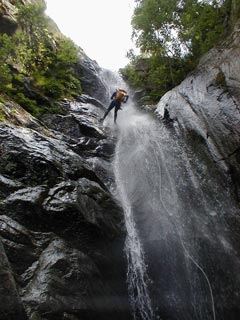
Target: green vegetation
{"type": "Point", "coordinates": [2, 99]}
{"type": "Point", "coordinates": [37, 69]}
{"type": "Point", "coordinates": [2, 115]}
{"type": "Point", "coordinates": [220, 79]}
{"type": "Point", "coordinates": [6, 48]}
{"type": "Point", "coordinates": [172, 36]}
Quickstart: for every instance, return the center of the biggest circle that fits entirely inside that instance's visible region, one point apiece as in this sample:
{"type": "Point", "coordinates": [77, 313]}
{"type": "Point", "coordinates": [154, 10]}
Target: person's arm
{"type": "Point", "coordinates": [113, 95]}
{"type": "Point", "coordinates": [125, 98]}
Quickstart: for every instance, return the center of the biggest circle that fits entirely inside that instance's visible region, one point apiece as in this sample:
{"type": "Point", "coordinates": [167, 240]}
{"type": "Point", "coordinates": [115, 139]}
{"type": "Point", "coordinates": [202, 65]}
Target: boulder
{"type": "Point", "coordinates": [92, 82]}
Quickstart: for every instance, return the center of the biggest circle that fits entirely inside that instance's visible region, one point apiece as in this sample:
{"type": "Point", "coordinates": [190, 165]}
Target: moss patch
{"type": "Point", "coordinates": [2, 114]}
{"type": "Point", "coordinates": [2, 99]}
{"type": "Point", "coordinates": [221, 80]}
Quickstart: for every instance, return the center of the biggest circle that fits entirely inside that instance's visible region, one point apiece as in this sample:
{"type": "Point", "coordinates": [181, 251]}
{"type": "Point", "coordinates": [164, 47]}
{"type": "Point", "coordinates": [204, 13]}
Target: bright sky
{"type": "Point", "coordinates": [102, 28]}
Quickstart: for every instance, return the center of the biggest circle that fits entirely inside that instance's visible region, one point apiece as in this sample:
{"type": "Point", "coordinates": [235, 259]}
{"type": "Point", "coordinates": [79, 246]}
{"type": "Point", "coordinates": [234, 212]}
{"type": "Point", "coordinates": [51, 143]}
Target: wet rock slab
{"type": "Point", "coordinates": [61, 229]}
{"type": "Point", "coordinates": [205, 107]}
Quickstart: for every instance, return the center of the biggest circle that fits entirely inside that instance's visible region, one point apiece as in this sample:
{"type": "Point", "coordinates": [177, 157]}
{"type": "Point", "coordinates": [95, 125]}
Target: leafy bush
{"type": "Point", "coordinates": [6, 48]}
{"type": "Point", "coordinates": [2, 99]}
{"type": "Point", "coordinates": [52, 88]}
{"type": "Point", "coordinates": [31, 60]}
{"type": "Point", "coordinates": [2, 115]}
{"type": "Point", "coordinates": [28, 104]}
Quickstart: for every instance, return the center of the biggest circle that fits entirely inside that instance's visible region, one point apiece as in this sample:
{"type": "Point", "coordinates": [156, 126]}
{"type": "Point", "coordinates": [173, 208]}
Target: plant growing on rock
{"type": "Point", "coordinates": [37, 68]}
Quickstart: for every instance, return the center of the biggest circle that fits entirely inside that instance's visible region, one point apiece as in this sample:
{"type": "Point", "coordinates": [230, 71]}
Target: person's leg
{"type": "Point", "coordinates": [115, 113]}
{"type": "Point", "coordinates": [117, 107]}
{"type": "Point", "coordinates": [111, 106]}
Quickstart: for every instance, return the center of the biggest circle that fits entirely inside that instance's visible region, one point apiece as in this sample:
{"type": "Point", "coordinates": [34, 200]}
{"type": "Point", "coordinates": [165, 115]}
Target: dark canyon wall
{"type": "Point", "coordinates": [205, 107]}
{"type": "Point", "coordinates": [61, 230]}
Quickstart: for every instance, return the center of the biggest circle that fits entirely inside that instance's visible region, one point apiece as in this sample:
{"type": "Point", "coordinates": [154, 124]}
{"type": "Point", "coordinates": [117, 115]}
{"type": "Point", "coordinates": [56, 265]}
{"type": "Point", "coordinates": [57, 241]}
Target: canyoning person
{"type": "Point", "coordinates": [119, 96]}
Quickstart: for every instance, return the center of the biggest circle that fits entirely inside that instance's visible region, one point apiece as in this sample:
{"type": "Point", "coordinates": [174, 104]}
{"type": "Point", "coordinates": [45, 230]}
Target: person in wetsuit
{"type": "Point", "coordinates": [117, 98]}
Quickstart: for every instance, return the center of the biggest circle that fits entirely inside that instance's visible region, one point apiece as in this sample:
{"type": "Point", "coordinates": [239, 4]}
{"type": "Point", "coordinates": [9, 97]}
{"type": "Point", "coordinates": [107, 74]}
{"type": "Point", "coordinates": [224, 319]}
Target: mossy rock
{"type": "Point", "coordinates": [221, 80]}
{"type": "Point", "coordinates": [2, 113]}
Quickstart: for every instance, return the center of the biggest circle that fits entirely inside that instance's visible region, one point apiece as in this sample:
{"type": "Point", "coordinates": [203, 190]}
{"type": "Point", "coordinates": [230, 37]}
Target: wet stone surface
{"type": "Point", "coordinates": [62, 230]}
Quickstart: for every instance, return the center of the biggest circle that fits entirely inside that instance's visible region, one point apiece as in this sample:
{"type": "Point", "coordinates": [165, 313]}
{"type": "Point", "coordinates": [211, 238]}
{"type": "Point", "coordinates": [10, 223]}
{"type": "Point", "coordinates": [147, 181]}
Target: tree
{"type": "Point", "coordinates": [173, 34]}
{"type": "Point", "coordinates": [178, 27]}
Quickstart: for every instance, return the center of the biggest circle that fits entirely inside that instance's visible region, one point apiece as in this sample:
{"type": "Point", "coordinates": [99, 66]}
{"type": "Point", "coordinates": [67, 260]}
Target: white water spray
{"type": "Point", "coordinates": [137, 278]}
{"type": "Point", "coordinates": [175, 221]}
{"type": "Point", "coordinates": [139, 132]}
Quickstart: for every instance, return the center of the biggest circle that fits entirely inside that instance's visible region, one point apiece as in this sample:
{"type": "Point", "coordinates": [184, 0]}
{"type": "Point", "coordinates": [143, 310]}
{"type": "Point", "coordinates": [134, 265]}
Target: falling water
{"type": "Point", "coordinates": [136, 275]}
{"type": "Point", "coordinates": [179, 246]}
{"type": "Point", "coordinates": [137, 278]}
{"type": "Point", "coordinates": [181, 222]}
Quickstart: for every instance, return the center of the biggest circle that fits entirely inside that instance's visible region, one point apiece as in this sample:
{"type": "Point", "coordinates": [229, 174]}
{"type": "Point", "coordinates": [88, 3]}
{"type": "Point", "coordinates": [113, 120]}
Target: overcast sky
{"type": "Point", "coordinates": [101, 27]}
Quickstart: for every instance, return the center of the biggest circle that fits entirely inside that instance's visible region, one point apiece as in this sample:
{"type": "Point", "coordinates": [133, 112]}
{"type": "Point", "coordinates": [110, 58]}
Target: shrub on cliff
{"type": "Point", "coordinates": [37, 69]}
{"type": "Point", "coordinates": [5, 48]}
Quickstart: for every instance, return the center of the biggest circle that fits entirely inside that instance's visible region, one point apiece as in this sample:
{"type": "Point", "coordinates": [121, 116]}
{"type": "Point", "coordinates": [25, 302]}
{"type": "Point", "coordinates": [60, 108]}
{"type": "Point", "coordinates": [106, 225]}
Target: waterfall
{"type": "Point", "coordinates": [136, 275]}
{"type": "Point", "coordinates": [179, 217]}
{"type": "Point", "coordinates": [137, 279]}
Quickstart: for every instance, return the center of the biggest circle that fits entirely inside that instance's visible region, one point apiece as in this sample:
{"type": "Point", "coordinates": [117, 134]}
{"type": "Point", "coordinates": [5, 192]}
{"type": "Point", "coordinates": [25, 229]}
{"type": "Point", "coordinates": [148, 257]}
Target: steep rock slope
{"type": "Point", "coordinates": [8, 13]}
{"type": "Point", "coordinates": [205, 107]}
{"type": "Point", "coordinates": [61, 229]}
{"type": "Point", "coordinates": [86, 70]}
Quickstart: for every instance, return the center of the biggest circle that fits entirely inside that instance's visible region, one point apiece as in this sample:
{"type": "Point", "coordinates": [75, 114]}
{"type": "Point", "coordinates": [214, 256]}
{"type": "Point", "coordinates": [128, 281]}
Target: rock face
{"type": "Point", "coordinates": [8, 13]}
{"type": "Point", "coordinates": [11, 305]}
{"type": "Point", "coordinates": [205, 107]}
{"type": "Point", "coordinates": [61, 229]}
{"type": "Point", "coordinates": [86, 69]}
{"type": "Point", "coordinates": [7, 17]}
{"type": "Point", "coordinates": [92, 82]}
